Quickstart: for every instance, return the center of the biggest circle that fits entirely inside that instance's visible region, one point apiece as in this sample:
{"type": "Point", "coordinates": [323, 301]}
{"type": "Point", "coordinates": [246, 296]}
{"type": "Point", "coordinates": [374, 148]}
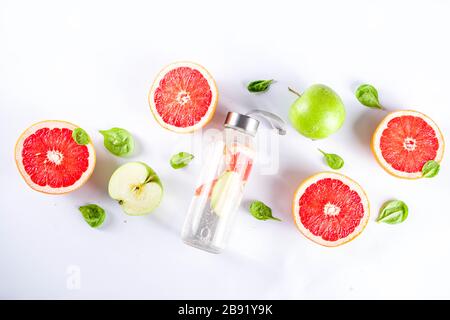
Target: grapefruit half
{"type": "Point", "coordinates": [49, 159]}
{"type": "Point", "coordinates": [404, 141]}
{"type": "Point", "coordinates": [183, 97]}
{"type": "Point", "coordinates": [330, 209]}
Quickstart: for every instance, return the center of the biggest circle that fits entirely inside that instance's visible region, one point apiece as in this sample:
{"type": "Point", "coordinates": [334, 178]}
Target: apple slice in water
{"type": "Point", "coordinates": [136, 187]}
{"type": "Point", "coordinates": [228, 186]}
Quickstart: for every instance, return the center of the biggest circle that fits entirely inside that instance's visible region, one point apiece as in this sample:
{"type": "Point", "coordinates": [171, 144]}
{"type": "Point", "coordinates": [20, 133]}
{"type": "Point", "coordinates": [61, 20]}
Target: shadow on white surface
{"type": "Point", "coordinates": [365, 126]}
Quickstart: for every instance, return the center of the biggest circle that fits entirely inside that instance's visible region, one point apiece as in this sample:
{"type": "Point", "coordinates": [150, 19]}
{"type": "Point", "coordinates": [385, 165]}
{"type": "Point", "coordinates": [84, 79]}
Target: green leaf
{"type": "Point", "coordinates": [181, 160]}
{"type": "Point", "coordinates": [118, 141]}
{"type": "Point", "coordinates": [93, 214]}
{"type": "Point", "coordinates": [333, 160]}
{"type": "Point", "coordinates": [80, 136]}
{"type": "Point", "coordinates": [430, 169]}
{"type": "Point", "coordinates": [368, 96]}
{"type": "Point", "coordinates": [259, 85]}
{"type": "Point", "coordinates": [261, 212]}
{"type": "Point", "coordinates": [393, 212]}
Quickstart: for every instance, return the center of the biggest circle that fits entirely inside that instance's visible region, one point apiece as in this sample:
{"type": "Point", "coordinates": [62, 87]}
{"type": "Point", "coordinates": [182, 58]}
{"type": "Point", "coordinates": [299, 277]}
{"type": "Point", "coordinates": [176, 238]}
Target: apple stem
{"type": "Point", "coordinates": [294, 92]}
{"type": "Point", "coordinates": [149, 179]}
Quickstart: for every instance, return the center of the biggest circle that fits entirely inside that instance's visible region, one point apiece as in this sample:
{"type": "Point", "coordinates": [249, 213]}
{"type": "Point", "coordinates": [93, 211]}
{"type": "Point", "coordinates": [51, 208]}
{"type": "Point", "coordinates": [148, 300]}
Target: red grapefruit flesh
{"type": "Point", "coordinates": [183, 97]}
{"type": "Point", "coordinates": [404, 141]}
{"type": "Point", "coordinates": [241, 163]}
{"type": "Point", "coordinates": [50, 160]}
{"type": "Point", "coordinates": [330, 209]}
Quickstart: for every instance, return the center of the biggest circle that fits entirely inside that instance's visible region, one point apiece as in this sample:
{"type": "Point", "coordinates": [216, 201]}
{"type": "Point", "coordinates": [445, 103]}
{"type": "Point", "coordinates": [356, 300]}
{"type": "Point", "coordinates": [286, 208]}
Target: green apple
{"type": "Point", "coordinates": [226, 189]}
{"type": "Point", "coordinates": [136, 187]}
{"type": "Point", "coordinates": [318, 112]}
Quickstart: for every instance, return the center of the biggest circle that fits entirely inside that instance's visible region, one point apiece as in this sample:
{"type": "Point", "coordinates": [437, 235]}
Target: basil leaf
{"type": "Point", "coordinates": [368, 96]}
{"type": "Point", "coordinates": [118, 141]}
{"type": "Point", "coordinates": [80, 136]}
{"type": "Point", "coordinates": [393, 212]}
{"type": "Point", "coordinates": [181, 160]}
{"type": "Point", "coordinates": [333, 160]}
{"type": "Point", "coordinates": [430, 169]}
{"type": "Point", "coordinates": [93, 214]}
{"type": "Point", "coordinates": [259, 85]}
{"type": "Point", "coordinates": [261, 212]}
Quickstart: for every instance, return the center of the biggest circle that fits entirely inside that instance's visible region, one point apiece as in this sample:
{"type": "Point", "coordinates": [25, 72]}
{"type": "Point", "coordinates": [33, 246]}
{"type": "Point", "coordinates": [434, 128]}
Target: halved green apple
{"type": "Point", "coordinates": [136, 187]}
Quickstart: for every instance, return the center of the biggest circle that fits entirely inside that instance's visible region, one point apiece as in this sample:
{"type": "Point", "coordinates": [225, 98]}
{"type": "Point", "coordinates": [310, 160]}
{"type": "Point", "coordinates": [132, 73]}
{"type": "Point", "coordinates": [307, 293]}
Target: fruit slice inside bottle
{"type": "Point", "coordinates": [226, 193]}
{"type": "Point", "coordinates": [237, 162]}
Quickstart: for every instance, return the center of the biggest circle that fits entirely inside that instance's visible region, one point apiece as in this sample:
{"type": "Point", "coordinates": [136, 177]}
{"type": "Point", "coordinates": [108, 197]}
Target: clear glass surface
{"type": "Point", "coordinates": [226, 167]}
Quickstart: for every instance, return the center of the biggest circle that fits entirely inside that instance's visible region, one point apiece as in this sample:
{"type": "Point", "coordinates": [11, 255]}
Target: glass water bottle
{"type": "Point", "coordinates": [218, 194]}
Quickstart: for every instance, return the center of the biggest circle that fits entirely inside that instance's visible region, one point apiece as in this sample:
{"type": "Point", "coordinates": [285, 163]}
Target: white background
{"type": "Point", "coordinates": [92, 63]}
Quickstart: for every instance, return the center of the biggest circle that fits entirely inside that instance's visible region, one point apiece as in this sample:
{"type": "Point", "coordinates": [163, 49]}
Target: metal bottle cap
{"type": "Point", "coordinates": [241, 122]}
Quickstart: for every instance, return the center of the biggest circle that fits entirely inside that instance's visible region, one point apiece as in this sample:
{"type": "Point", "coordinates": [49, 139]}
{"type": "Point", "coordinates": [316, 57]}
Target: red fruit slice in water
{"type": "Point", "coordinates": [241, 163]}
{"type": "Point", "coordinates": [199, 190]}
{"type": "Point", "coordinates": [50, 160]}
{"type": "Point", "coordinates": [183, 97]}
{"type": "Point", "coordinates": [330, 209]}
{"type": "Point", "coordinates": [404, 141]}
